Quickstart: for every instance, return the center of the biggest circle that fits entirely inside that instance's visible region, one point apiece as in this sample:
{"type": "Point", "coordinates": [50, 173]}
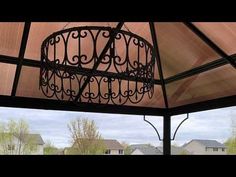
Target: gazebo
{"type": "Point", "coordinates": [141, 68]}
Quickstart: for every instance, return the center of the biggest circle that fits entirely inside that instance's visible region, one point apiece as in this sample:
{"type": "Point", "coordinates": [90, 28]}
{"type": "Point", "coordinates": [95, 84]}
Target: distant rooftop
{"type": "Point", "coordinates": [175, 150]}
{"type": "Point", "coordinates": [146, 149]}
{"type": "Point", "coordinates": [208, 143]}
{"type": "Point", "coordinates": [112, 144]}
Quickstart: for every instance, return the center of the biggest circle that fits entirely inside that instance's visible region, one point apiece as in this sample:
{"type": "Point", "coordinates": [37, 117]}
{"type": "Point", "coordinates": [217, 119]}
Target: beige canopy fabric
{"type": "Point", "coordinates": [179, 47]}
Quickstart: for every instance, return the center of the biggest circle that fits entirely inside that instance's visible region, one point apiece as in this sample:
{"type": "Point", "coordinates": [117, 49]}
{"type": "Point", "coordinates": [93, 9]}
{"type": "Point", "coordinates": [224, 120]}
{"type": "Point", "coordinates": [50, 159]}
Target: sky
{"type": "Point", "coordinates": [52, 125]}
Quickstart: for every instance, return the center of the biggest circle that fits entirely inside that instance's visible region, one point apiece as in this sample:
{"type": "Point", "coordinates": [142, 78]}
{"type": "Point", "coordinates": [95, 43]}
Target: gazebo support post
{"type": "Point", "coordinates": [167, 135]}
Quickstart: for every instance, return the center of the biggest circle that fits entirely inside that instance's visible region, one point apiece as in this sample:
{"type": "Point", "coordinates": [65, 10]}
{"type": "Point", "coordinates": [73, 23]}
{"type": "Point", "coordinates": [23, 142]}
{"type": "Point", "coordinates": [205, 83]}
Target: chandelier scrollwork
{"type": "Point", "coordinates": [125, 73]}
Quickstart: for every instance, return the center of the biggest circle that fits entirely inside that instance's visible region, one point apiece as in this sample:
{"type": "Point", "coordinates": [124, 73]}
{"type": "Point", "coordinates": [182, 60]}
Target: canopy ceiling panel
{"type": "Point", "coordinates": [40, 31]}
{"type": "Point", "coordinates": [10, 38]}
{"type": "Point", "coordinates": [7, 73]}
{"type": "Point", "coordinates": [181, 49]}
{"type": "Point", "coordinates": [216, 83]}
{"type": "Point", "coordinates": [222, 33]}
{"type": "Point", "coordinates": [140, 28]}
{"type": "Point", "coordinates": [28, 85]}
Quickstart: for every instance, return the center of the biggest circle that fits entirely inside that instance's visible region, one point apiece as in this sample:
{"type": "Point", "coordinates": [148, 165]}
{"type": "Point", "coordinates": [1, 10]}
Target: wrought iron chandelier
{"type": "Point", "coordinates": [122, 73]}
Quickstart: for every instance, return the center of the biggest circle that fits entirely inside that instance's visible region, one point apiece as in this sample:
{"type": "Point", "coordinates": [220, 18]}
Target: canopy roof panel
{"type": "Point", "coordinates": [7, 74]}
{"type": "Point", "coordinates": [223, 34]}
{"type": "Point", "coordinates": [28, 85]}
{"type": "Point", "coordinates": [10, 38]}
{"type": "Point", "coordinates": [219, 82]}
{"type": "Point", "coordinates": [193, 61]}
{"type": "Point", "coordinates": [180, 49]}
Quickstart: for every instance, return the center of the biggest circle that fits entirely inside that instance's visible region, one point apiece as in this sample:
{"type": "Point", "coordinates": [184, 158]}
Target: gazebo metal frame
{"type": "Point", "coordinates": [36, 103]}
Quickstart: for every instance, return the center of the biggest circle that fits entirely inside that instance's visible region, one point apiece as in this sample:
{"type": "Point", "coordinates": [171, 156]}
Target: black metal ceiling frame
{"type": "Point", "coordinates": [21, 56]}
{"type": "Point", "coordinates": [22, 61]}
{"type": "Point", "coordinates": [25, 102]}
{"type": "Point", "coordinates": [157, 53]}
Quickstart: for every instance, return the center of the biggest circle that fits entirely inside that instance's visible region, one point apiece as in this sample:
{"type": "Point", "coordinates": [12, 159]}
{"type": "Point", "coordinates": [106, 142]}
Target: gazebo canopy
{"type": "Point", "coordinates": [195, 67]}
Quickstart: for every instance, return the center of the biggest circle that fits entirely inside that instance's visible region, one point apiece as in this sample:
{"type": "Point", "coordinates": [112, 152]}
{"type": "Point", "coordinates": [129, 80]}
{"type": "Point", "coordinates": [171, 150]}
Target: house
{"type": "Point", "coordinates": [176, 150]}
{"type": "Point", "coordinates": [147, 149]}
{"type": "Point", "coordinates": [26, 144]}
{"type": "Point", "coordinates": [144, 149]}
{"type": "Point", "coordinates": [205, 147]}
{"type": "Point", "coordinates": [112, 147]}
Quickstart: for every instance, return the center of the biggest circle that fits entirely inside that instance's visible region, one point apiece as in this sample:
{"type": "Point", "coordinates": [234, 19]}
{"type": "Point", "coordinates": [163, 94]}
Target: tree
{"type": "Point", "coordinates": [231, 141]}
{"type": "Point", "coordinates": [233, 123]}
{"type": "Point", "coordinates": [49, 149]}
{"type": "Point", "coordinates": [231, 146]}
{"type": "Point", "coordinates": [127, 149]}
{"type": "Point", "coordinates": [15, 139]}
{"type": "Point", "coordinates": [85, 137]}
{"type": "Point", "coordinates": [5, 140]}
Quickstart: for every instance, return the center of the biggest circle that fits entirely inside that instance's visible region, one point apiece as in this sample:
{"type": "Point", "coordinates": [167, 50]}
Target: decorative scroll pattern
{"type": "Point", "coordinates": [126, 72]}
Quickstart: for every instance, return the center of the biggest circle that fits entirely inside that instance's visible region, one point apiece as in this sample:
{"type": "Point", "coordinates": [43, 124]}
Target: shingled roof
{"type": "Point", "coordinates": [146, 149]}
{"type": "Point", "coordinates": [208, 143]}
{"type": "Point", "coordinates": [112, 144]}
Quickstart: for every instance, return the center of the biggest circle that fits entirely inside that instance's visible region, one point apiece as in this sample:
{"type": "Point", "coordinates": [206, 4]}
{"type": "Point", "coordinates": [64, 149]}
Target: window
{"type": "Point", "coordinates": [108, 151]}
{"type": "Point", "coordinates": [223, 149]}
{"type": "Point", "coordinates": [120, 151]}
{"type": "Point", "coordinates": [215, 149]}
{"type": "Point", "coordinates": [11, 147]}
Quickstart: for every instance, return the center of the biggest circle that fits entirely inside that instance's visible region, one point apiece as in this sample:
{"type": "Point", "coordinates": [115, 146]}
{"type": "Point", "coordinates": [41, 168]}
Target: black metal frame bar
{"type": "Point", "coordinates": [36, 63]}
{"type": "Point", "coordinates": [21, 57]}
{"type": "Point", "coordinates": [159, 137]}
{"type": "Point", "coordinates": [210, 43]}
{"type": "Point", "coordinates": [176, 130]}
{"type": "Point", "coordinates": [167, 135]}
{"type": "Point", "coordinates": [9, 59]}
{"type": "Point", "coordinates": [204, 106]}
{"type": "Point", "coordinates": [200, 69]}
{"type": "Point", "coordinates": [156, 50]}
{"type": "Point", "coordinates": [50, 104]}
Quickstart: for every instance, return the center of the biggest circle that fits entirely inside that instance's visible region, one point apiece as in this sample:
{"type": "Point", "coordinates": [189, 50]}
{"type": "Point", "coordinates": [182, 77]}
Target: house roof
{"type": "Point", "coordinates": [146, 149]}
{"type": "Point", "coordinates": [208, 143]}
{"type": "Point", "coordinates": [36, 138]}
{"type": "Point", "coordinates": [112, 144]}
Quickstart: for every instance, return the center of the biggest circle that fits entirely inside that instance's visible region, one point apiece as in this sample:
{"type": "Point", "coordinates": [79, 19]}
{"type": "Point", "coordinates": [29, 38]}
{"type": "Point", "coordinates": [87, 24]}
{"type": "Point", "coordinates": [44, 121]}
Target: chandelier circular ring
{"type": "Point", "coordinates": [124, 74]}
